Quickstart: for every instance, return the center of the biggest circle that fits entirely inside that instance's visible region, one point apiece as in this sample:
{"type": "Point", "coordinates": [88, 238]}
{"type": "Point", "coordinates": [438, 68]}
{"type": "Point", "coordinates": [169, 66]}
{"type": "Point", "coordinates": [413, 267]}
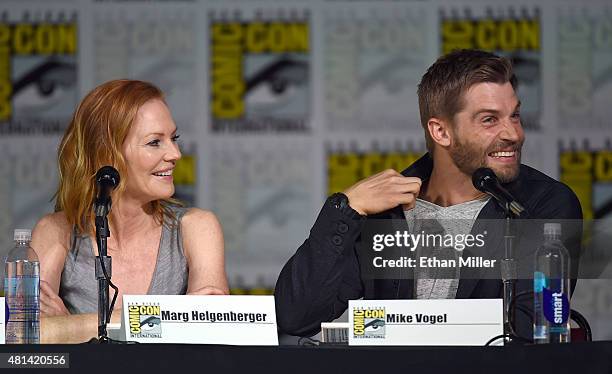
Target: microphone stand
{"type": "Point", "coordinates": [103, 266]}
{"type": "Point", "coordinates": [509, 273]}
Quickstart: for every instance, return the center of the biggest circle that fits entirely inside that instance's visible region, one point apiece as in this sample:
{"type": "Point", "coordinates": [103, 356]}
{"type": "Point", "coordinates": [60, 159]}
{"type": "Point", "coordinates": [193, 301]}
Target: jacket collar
{"type": "Point", "coordinates": [421, 168]}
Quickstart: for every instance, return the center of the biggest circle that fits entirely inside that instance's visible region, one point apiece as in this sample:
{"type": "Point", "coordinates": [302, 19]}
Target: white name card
{"type": "Point", "coordinates": [194, 319]}
{"type": "Point", "coordinates": [2, 320]}
{"type": "Point", "coordinates": [424, 322]}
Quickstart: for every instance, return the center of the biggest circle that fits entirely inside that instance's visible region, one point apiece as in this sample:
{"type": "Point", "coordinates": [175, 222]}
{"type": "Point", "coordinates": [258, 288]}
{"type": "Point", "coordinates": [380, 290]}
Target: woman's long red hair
{"type": "Point", "coordinates": [93, 139]}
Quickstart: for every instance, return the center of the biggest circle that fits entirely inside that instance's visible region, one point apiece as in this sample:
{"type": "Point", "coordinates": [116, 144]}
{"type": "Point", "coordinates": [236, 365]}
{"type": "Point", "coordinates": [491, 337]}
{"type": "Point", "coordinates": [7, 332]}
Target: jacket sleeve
{"type": "Point", "coordinates": [319, 279]}
{"type": "Point", "coordinates": [556, 204]}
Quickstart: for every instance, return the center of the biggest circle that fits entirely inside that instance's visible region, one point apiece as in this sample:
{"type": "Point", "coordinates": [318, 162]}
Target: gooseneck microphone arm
{"type": "Point", "coordinates": [107, 179]}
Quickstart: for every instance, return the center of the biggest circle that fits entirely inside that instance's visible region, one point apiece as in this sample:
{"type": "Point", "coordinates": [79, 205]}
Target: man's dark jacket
{"type": "Point", "coordinates": [317, 282]}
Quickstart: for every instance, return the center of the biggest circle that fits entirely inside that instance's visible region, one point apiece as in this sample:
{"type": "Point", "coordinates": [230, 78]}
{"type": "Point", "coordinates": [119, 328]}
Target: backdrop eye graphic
{"type": "Point", "coordinates": [43, 86]}
{"type": "Point", "coordinates": [390, 75]}
{"type": "Point", "coordinates": [526, 68]}
{"type": "Point", "coordinates": [168, 74]}
{"type": "Point", "coordinates": [275, 84]}
{"type": "Point", "coordinates": [275, 206]}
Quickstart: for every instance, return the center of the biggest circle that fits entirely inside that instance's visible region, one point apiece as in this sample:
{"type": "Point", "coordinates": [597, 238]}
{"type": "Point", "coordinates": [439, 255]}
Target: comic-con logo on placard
{"type": "Point", "coordinates": [38, 72]}
{"type": "Point", "coordinates": [144, 320]}
{"type": "Point", "coordinates": [259, 72]}
{"type": "Point", "coordinates": [369, 323]}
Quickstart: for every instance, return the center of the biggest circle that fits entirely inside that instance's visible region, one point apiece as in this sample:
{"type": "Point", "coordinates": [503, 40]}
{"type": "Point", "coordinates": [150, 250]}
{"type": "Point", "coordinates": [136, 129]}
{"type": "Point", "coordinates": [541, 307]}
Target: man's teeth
{"type": "Point", "coordinates": [503, 154]}
{"type": "Point", "coordinates": [164, 174]}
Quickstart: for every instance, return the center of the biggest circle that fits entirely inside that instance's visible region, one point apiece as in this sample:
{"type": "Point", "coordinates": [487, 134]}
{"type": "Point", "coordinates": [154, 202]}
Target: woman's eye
{"type": "Point", "coordinates": [175, 138]}
{"type": "Point", "coordinates": [153, 142]}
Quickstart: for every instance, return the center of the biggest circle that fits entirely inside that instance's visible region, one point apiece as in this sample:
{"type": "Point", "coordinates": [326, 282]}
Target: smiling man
{"type": "Point", "coordinates": [470, 114]}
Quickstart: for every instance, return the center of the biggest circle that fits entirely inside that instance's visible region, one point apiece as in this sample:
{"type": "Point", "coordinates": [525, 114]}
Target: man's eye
{"type": "Point", "coordinates": [154, 142]}
{"type": "Point", "coordinates": [516, 115]}
{"type": "Point", "coordinates": [488, 120]}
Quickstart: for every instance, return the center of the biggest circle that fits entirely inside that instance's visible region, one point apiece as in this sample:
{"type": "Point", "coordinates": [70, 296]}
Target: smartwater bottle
{"type": "Point", "coordinates": [22, 292]}
{"type": "Point", "coordinates": [551, 288]}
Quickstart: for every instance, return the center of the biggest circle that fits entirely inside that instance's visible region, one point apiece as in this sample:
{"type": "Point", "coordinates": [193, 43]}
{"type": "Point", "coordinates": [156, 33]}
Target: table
{"type": "Point", "coordinates": [581, 358]}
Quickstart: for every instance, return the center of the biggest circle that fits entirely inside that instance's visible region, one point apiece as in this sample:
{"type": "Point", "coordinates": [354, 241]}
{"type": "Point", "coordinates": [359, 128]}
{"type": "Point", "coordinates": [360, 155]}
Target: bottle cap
{"type": "Point", "coordinates": [22, 235]}
{"type": "Point", "coordinates": [552, 229]}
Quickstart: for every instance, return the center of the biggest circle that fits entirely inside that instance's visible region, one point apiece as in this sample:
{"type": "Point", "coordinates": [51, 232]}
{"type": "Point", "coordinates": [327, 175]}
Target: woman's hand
{"type": "Point", "coordinates": [50, 303]}
{"type": "Point", "coordinates": [208, 290]}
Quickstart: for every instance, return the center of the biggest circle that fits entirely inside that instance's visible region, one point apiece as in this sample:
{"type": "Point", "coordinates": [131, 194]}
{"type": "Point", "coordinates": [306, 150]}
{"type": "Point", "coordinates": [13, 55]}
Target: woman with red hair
{"type": "Point", "coordinates": [157, 246]}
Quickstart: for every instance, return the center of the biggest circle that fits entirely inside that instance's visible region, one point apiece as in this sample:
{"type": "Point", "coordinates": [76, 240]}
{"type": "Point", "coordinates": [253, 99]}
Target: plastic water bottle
{"type": "Point", "coordinates": [22, 292]}
{"type": "Point", "coordinates": [551, 288]}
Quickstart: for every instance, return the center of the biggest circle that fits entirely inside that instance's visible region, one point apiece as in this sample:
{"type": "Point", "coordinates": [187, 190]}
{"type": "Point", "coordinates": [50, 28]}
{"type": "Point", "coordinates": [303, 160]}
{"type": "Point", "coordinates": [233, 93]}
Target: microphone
{"type": "Point", "coordinates": [107, 179]}
{"type": "Point", "coordinates": [485, 180]}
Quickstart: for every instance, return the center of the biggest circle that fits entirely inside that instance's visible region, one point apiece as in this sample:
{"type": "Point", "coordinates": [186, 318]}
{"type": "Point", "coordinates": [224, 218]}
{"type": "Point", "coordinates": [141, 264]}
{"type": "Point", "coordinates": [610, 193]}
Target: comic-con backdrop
{"type": "Point", "coordinates": [281, 103]}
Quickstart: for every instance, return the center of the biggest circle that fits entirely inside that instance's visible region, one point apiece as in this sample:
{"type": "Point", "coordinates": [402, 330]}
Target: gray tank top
{"type": "Point", "coordinates": [79, 287]}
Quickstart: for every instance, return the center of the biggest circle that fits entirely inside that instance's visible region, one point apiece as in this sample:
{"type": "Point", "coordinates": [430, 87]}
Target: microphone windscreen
{"type": "Point", "coordinates": [108, 175]}
{"type": "Point", "coordinates": [481, 176]}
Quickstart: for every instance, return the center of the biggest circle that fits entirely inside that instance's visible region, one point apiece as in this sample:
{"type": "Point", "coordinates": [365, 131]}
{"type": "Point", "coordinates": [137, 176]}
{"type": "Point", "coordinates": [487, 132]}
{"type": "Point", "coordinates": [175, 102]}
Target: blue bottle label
{"type": "Point", "coordinates": [556, 306]}
{"type": "Point", "coordinates": [539, 281]}
{"type": "Point", "coordinates": [23, 284]}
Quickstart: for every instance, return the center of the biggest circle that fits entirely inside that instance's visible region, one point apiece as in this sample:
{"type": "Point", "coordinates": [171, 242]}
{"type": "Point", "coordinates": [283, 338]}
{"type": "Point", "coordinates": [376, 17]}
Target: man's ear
{"type": "Point", "coordinates": [440, 131]}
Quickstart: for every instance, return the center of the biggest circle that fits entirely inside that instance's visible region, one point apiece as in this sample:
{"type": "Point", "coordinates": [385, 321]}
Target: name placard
{"type": "Point", "coordinates": [195, 319]}
{"type": "Point", "coordinates": [424, 322]}
{"type": "Point", "coordinates": [2, 320]}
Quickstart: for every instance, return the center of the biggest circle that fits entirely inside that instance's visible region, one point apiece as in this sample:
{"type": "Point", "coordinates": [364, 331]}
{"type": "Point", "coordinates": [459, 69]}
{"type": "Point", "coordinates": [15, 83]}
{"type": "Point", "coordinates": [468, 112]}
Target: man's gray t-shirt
{"type": "Point", "coordinates": [437, 282]}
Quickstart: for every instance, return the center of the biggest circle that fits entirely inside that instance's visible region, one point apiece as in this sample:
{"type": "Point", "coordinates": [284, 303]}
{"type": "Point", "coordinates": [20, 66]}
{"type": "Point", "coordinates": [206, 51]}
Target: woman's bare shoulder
{"type": "Point", "coordinates": [52, 231]}
{"type": "Point", "coordinates": [53, 223]}
{"type": "Point", "coordinates": [51, 241]}
{"type": "Point", "coordinates": [201, 226]}
{"type": "Point", "coordinates": [197, 217]}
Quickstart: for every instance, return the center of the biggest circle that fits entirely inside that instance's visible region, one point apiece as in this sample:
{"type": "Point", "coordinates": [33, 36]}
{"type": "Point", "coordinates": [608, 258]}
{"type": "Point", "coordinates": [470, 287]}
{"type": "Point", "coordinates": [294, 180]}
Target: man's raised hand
{"type": "Point", "coordinates": [383, 191]}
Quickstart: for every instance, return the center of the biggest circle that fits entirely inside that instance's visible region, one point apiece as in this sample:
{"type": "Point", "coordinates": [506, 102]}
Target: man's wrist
{"type": "Point", "coordinates": [340, 202]}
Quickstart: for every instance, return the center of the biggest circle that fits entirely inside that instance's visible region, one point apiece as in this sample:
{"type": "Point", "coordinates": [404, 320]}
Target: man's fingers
{"type": "Point", "coordinates": [389, 172]}
{"type": "Point", "coordinates": [383, 176]}
{"type": "Point", "coordinates": [406, 180]}
{"type": "Point", "coordinates": [397, 180]}
{"type": "Point", "coordinates": [408, 202]}
{"type": "Point", "coordinates": [416, 180]}
{"type": "Point", "coordinates": [412, 188]}
{"type": "Point", "coordinates": [405, 198]}
{"type": "Point", "coordinates": [382, 191]}
{"type": "Point", "coordinates": [408, 206]}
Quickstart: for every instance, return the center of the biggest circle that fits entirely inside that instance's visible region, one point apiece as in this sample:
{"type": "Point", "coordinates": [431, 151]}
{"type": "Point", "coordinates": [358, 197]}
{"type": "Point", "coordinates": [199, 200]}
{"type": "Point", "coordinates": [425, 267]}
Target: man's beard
{"type": "Point", "coordinates": [469, 157]}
